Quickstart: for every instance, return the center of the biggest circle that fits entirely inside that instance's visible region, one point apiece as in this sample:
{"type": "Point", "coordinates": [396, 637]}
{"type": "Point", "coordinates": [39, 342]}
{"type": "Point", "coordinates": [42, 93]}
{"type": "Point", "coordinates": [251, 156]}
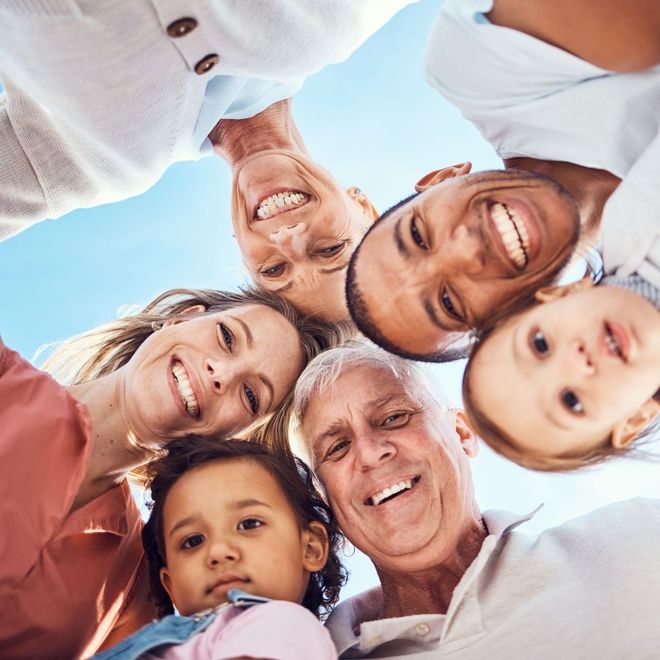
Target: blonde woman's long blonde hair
{"type": "Point", "coordinates": [105, 349]}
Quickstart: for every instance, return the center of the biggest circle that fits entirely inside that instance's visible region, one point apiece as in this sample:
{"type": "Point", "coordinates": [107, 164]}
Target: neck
{"type": "Point", "coordinates": [113, 453]}
{"type": "Point", "coordinates": [429, 591]}
{"type": "Point", "coordinates": [589, 187]}
{"type": "Point", "coordinates": [274, 128]}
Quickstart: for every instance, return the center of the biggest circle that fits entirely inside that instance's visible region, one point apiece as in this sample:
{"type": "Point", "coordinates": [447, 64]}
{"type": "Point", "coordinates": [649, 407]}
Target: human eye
{"type": "Point", "coordinates": [331, 250]}
{"type": "Point", "coordinates": [337, 448]}
{"type": "Point", "coordinates": [250, 523]}
{"type": "Point", "coordinates": [273, 271]}
{"type": "Point", "coordinates": [571, 402]}
{"type": "Point", "coordinates": [396, 419]}
{"type": "Point", "coordinates": [449, 305]}
{"type": "Point", "coordinates": [192, 541]}
{"type": "Point", "coordinates": [252, 399]}
{"type": "Point", "coordinates": [416, 235]}
{"type": "Point", "coordinates": [538, 343]}
{"type": "Point", "coordinates": [227, 335]}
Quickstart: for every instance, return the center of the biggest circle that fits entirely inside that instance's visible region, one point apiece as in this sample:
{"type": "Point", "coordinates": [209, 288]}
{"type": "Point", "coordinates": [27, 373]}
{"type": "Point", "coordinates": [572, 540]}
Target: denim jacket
{"type": "Point", "coordinates": [173, 629]}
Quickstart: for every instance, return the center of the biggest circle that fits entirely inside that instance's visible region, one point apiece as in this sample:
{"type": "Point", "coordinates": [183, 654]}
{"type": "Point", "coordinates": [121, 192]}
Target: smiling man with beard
{"type": "Point", "coordinates": [395, 466]}
{"type": "Point", "coordinates": [566, 91]}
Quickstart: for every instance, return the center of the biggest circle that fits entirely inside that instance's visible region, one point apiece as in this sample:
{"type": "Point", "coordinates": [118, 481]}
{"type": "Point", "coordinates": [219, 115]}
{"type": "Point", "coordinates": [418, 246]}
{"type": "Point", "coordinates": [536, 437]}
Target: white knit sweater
{"type": "Point", "coordinates": [99, 99]}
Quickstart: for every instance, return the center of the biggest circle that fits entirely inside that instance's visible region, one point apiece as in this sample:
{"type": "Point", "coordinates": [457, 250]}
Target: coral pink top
{"type": "Point", "coordinates": [65, 578]}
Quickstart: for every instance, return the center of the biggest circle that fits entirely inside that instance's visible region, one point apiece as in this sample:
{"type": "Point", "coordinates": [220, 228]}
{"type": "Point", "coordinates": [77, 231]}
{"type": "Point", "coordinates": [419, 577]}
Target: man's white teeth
{"type": "Point", "coordinates": [513, 232]}
{"type": "Point", "coordinates": [185, 389]}
{"type": "Point", "coordinates": [289, 199]}
{"type": "Point", "coordinates": [390, 490]}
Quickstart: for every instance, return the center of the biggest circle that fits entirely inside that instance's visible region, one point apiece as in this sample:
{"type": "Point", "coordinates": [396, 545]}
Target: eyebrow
{"type": "Point", "coordinates": [337, 425]}
{"type": "Point", "coordinates": [246, 330]}
{"type": "Point", "coordinates": [398, 239]}
{"type": "Point", "coordinates": [240, 504]}
{"type": "Point", "coordinates": [271, 390]}
{"type": "Point", "coordinates": [264, 379]}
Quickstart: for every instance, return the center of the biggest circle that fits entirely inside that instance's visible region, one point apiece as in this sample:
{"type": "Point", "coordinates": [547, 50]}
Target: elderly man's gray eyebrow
{"type": "Point", "coordinates": [330, 431]}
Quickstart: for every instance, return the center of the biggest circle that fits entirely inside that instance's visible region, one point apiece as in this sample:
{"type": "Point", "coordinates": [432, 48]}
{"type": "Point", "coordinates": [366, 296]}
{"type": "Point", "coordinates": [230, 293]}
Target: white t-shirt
{"type": "Point", "coordinates": [529, 98]}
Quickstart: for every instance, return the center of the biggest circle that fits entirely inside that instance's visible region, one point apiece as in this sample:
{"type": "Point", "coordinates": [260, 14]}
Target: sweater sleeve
{"type": "Point", "coordinates": [22, 200]}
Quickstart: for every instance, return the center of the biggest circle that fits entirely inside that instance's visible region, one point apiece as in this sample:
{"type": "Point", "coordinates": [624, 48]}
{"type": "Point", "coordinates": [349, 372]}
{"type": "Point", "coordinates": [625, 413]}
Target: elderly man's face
{"type": "Point", "coordinates": [394, 466]}
{"type": "Point", "coordinates": [297, 228]}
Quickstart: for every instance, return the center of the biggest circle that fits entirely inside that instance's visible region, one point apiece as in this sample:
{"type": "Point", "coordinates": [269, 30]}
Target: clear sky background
{"type": "Point", "coordinates": [375, 123]}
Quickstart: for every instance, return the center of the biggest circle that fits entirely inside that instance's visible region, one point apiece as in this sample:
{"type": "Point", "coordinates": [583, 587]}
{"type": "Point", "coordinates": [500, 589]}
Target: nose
{"type": "Point", "coordinates": [222, 551]}
{"type": "Point", "coordinates": [464, 252]}
{"type": "Point", "coordinates": [373, 449]}
{"type": "Point", "coordinates": [221, 374]}
{"type": "Point", "coordinates": [577, 360]}
{"type": "Point", "coordinates": [290, 239]}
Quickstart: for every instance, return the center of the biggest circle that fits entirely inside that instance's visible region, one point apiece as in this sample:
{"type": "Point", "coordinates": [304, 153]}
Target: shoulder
{"type": "Point", "coordinates": [285, 631]}
{"type": "Point", "coordinates": [612, 34]}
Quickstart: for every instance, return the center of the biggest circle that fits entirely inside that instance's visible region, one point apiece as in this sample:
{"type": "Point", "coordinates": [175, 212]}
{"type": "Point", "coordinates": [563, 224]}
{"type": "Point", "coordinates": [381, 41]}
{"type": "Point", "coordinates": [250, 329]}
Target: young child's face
{"type": "Point", "coordinates": [563, 375]}
{"type": "Point", "coordinates": [227, 524]}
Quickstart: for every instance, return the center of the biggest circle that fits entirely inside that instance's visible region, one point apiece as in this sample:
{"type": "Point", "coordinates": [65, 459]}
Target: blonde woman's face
{"type": "Point", "coordinates": [213, 374]}
{"type": "Point", "coordinates": [561, 377]}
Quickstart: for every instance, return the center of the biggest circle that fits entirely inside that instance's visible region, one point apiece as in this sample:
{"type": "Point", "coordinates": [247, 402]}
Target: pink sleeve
{"type": "Point", "coordinates": [278, 631]}
{"type": "Point", "coordinates": [44, 445]}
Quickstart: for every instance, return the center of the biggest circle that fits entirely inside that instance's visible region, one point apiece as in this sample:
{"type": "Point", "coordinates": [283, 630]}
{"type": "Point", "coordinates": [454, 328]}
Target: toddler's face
{"type": "Point", "coordinates": [227, 524]}
{"type": "Point", "coordinates": [564, 375]}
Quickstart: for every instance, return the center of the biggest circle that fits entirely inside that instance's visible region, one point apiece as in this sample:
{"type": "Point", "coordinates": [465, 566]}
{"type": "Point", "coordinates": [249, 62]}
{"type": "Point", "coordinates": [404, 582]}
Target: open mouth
{"type": "Point", "coordinates": [185, 389]}
{"type": "Point", "coordinates": [281, 202]}
{"type": "Point", "coordinates": [513, 233]}
{"type": "Point", "coordinates": [392, 491]}
{"type": "Point", "coordinates": [615, 341]}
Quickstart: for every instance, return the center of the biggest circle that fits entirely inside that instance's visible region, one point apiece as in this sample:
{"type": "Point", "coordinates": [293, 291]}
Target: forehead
{"type": "Point", "coordinates": [221, 483]}
{"type": "Point", "coordinates": [359, 389]}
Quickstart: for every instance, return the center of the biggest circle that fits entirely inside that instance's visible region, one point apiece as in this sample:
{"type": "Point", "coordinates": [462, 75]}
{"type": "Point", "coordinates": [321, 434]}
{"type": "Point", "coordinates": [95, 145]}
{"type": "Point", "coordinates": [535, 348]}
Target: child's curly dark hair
{"type": "Point", "coordinates": [294, 478]}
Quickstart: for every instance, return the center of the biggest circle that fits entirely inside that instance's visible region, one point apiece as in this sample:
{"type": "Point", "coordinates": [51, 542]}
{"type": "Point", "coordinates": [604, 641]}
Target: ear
{"type": "Point", "coordinates": [438, 176]}
{"type": "Point", "coordinates": [466, 435]}
{"type": "Point", "coordinates": [180, 317]}
{"type": "Point", "coordinates": [166, 581]}
{"type": "Point", "coordinates": [363, 202]}
{"type": "Point", "coordinates": [550, 293]}
{"type": "Point", "coordinates": [627, 430]}
{"type": "Point", "coordinates": [315, 546]}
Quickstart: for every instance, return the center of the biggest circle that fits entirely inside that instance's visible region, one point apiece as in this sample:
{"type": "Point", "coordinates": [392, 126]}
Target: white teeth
{"type": "Point", "coordinates": [513, 232]}
{"type": "Point", "coordinates": [390, 490]}
{"type": "Point", "coordinates": [185, 389]}
{"type": "Point", "coordinates": [612, 343]}
{"type": "Point", "coordinates": [290, 199]}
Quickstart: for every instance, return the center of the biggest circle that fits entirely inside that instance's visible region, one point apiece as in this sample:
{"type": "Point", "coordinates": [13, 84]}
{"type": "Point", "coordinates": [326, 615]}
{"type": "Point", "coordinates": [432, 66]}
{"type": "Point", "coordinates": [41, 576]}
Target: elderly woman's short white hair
{"type": "Point", "coordinates": [327, 367]}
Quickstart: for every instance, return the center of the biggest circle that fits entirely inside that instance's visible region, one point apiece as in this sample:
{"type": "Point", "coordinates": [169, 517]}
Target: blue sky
{"type": "Point", "coordinates": [372, 121]}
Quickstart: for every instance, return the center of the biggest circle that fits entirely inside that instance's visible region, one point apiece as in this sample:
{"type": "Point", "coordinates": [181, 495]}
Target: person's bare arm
{"type": "Point", "coordinates": [618, 35]}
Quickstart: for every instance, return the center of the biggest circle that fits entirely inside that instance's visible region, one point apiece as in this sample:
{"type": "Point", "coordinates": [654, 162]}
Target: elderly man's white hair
{"type": "Point", "coordinates": [327, 367]}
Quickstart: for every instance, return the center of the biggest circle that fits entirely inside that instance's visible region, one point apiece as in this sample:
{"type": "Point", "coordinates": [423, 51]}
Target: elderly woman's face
{"type": "Point", "coordinates": [212, 374]}
{"type": "Point", "coordinates": [394, 467]}
{"type": "Point", "coordinates": [562, 376]}
{"type": "Point", "coordinates": [297, 228]}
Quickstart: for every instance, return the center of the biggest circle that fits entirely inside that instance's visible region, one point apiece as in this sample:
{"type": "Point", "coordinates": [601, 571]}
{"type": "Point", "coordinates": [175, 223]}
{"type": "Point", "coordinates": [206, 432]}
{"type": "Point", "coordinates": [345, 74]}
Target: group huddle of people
{"type": "Point", "coordinates": [272, 424]}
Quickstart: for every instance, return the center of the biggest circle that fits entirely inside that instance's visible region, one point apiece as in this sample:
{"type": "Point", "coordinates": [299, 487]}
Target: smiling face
{"type": "Point", "coordinates": [213, 374]}
{"type": "Point", "coordinates": [564, 375]}
{"type": "Point", "coordinates": [227, 524]}
{"type": "Point", "coordinates": [395, 468]}
{"type": "Point", "coordinates": [296, 229]}
{"type": "Point", "coordinates": [460, 251]}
